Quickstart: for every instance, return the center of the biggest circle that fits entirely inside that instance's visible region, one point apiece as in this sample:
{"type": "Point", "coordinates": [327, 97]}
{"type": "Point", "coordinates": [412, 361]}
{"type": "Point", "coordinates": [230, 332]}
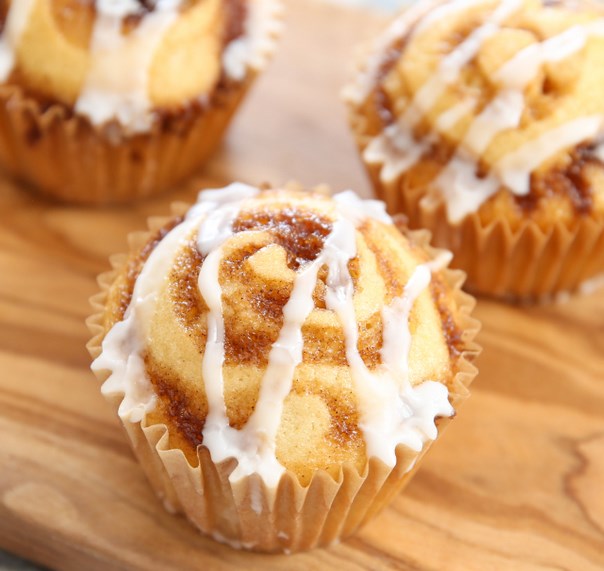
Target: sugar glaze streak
{"type": "Point", "coordinates": [122, 348]}
{"type": "Point", "coordinates": [391, 410]}
{"type": "Point", "coordinates": [117, 84]}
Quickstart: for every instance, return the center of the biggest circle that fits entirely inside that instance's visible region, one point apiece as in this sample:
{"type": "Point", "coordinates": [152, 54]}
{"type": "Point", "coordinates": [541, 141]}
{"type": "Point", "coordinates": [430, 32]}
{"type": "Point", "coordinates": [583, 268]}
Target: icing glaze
{"type": "Point", "coordinates": [118, 8]}
{"type": "Point", "coordinates": [464, 191]}
{"type": "Point", "coordinates": [400, 148]}
{"type": "Point", "coordinates": [122, 346]}
{"type": "Point", "coordinates": [449, 118]}
{"type": "Point", "coordinates": [450, 67]}
{"type": "Point", "coordinates": [399, 137]}
{"type": "Point", "coordinates": [252, 49]}
{"type": "Point", "coordinates": [391, 410]}
{"type": "Point", "coordinates": [117, 84]}
{"type": "Point", "coordinates": [514, 169]}
{"type": "Point", "coordinates": [399, 28]}
{"type": "Point", "coordinates": [360, 89]}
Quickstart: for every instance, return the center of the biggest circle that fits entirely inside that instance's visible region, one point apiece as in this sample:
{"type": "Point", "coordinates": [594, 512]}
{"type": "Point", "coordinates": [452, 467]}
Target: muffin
{"type": "Point", "coordinates": [106, 101]}
{"type": "Point", "coordinates": [281, 360]}
{"type": "Point", "coordinates": [483, 122]}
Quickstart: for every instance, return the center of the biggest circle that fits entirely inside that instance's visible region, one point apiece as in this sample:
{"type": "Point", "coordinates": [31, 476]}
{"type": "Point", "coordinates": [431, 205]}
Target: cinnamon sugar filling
{"type": "Point", "coordinates": [302, 234]}
{"type": "Point", "coordinates": [568, 179]}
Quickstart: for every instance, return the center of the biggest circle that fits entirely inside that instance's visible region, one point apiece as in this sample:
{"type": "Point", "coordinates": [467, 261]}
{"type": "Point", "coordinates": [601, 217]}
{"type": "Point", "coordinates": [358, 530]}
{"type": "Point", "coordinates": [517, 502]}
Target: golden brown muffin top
{"type": "Point", "coordinates": [115, 59]}
{"type": "Point", "coordinates": [497, 105]}
{"type": "Point", "coordinates": [286, 329]}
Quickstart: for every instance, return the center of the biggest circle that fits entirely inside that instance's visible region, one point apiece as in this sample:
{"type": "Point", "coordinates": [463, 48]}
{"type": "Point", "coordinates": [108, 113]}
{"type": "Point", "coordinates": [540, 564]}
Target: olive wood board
{"type": "Point", "coordinates": [516, 482]}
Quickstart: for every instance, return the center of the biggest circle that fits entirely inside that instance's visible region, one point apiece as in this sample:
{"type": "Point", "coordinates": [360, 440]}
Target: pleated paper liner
{"type": "Point", "coordinates": [67, 158]}
{"type": "Point", "coordinates": [291, 517]}
{"type": "Point", "coordinates": [524, 264]}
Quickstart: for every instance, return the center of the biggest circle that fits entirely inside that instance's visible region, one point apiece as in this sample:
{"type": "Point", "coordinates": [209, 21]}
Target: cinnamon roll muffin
{"type": "Point", "coordinates": [103, 101]}
{"type": "Point", "coordinates": [281, 360]}
{"type": "Point", "coordinates": [484, 122]}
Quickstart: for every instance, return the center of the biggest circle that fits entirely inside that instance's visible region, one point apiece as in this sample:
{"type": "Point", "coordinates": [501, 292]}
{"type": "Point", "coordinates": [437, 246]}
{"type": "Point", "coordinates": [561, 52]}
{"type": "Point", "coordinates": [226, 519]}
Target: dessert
{"type": "Point", "coordinates": [483, 121]}
{"type": "Point", "coordinates": [109, 100]}
{"type": "Point", "coordinates": [281, 360]}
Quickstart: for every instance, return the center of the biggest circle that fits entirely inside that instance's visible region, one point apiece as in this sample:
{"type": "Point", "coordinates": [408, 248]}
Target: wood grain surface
{"type": "Point", "coordinates": [517, 481]}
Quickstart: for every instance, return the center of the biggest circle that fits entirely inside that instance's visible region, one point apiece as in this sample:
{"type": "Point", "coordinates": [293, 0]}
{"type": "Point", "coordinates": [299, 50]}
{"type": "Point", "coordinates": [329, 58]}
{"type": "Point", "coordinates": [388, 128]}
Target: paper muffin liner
{"type": "Point", "coordinates": [67, 158]}
{"type": "Point", "coordinates": [526, 263]}
{"type": "Point", "coordinates": [290, 517]}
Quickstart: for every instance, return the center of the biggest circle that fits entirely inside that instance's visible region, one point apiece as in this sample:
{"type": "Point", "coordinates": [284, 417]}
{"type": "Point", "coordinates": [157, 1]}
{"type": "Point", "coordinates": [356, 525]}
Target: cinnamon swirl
{"type": "Point", "coordinates": [483, 121]}
{"type": "Point", "coordinates": [283, 342]}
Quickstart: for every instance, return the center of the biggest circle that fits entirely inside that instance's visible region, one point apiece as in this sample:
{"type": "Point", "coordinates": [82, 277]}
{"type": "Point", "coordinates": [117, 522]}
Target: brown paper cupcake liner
{"type": "Point", "coordinates": [290, 517]}
{"type": "Point", "coordinates": [523, 264]}
{"type": "Point", "coordinates": [67, 158]}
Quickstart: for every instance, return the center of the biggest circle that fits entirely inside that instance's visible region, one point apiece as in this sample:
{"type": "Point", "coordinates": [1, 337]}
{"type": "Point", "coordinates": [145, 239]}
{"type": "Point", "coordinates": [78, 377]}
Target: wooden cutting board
{"type": "Point", "coordinates": [517, 482]}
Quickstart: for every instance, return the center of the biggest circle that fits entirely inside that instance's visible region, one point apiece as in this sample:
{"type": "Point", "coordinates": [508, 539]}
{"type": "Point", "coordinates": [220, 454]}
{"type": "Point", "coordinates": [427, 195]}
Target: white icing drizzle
{"type": "Point", "coordinates": [401, 137]}
{"type": "Point", "coordinates": [395, 358]}
{"type": "Point", "coordinates": [450, 67]}
{"type": "Point", "coordinates": [400, 27]}
{"type": "Point", "coordinates": [356, 210]}
{"type": "Point", "coordinates": [451, 116]}
{"type": "Point", "coordinates": [123, 345]}
{"type": "Point", "coordinates": [14, 27]}
{"type": "Point", "coordinates": [252, 49]}
{"type": "Point", "coordinates": [117, 84]}
{"type": "Point", "coordinates": [514, 170]}
{"type": "Point", "coordinates": [397, 337]}
{"type": "Point", "coordinates": [254, 452]}
{"type": "Point", "coordinates": [391, 411]}
{"type": "Point", "coordinates": [285, 356]}
{"type": "Point", "coordinates": [519, 71]}
{"type": "Point", "coordinates": [504, 112]}
{"type": "Point", "coordinates": [254, 446]}
{"type": "Point", "coordinates": [117, 8]}
{"type": "Point", "coordinates": [400, 148]}
{"type": "Point", "coordinates": [463, 190]}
